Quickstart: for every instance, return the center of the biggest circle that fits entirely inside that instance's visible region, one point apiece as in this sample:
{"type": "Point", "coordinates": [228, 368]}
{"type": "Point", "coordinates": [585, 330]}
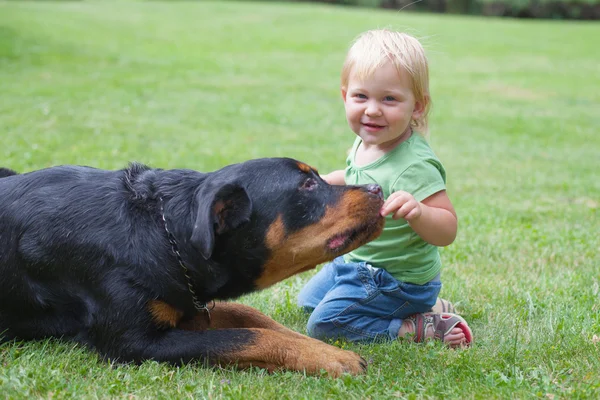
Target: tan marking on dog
{"type": "Point", "coordinates": [305, 249]}
{"type": "Point", "coordinates": [163, 314]}
{"type": "Point", "coordinates": [229, 315]}
{"type": "Point", "coordinates": [275, 234]}
{"type": "Point", "coordinates": [273, 350]}
{"type": "Point", "coordinates": [218, 209]}
{"type": "Point", "coordinates": [305, 168]}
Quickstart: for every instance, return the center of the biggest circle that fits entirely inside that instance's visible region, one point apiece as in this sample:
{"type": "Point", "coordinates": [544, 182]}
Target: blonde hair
{"type": "Point", "coordinates": [373, 49]}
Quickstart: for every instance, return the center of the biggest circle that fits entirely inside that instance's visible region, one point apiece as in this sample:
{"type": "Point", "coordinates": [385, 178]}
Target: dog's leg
{"type": "Point", "coordinates": [224, 315]}
{"type": "Point", "coordinates": [246, 347]}
{"type": "Point", "coordinates": [272, 350]}
{"type": "Point", "coordinates": [275, 350]}
{"type": "Point", "coordinates": [243, 336]}
{"type": "Point", "coordinates": [234, 315]}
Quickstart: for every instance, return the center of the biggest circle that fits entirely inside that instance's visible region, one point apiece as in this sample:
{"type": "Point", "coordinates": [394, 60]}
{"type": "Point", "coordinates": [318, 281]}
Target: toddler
{"type": "Point", "coordinates": [386, 289]}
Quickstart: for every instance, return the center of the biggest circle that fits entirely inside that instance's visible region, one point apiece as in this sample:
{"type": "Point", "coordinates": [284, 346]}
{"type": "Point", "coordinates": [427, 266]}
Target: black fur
{"type": "Point", "coordinates": [6, 172]}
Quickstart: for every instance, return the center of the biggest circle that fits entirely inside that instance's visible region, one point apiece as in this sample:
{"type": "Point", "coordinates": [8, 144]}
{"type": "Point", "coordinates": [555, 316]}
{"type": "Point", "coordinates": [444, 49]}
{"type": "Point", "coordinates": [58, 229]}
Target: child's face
{"type": "Point", "coordinates": [379, 109]}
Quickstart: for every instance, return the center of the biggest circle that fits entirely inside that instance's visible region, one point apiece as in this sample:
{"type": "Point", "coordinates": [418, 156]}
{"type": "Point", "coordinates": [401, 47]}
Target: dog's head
{"type": "Point", "coordinates": [280, 214]}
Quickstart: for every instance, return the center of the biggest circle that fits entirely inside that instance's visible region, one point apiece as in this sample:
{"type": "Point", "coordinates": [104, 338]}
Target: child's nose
{"type": "Point", "coordinates": [373, 109]}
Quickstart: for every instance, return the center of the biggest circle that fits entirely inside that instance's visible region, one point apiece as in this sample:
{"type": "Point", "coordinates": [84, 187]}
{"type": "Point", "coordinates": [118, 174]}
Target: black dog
{"type": "Point", "coordinates": [129, 262]}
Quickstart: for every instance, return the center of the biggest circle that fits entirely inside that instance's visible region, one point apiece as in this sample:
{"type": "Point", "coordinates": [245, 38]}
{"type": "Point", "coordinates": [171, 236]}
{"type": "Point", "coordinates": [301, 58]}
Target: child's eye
{"type": "Point", "coordinates": [389, 98]}
{"type": "Point", "coordinates": [360, 96]}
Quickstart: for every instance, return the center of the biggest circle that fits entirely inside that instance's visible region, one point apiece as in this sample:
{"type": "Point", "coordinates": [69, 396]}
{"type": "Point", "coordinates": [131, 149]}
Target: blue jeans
{"type": "Point", "coordinates": [360, 303]}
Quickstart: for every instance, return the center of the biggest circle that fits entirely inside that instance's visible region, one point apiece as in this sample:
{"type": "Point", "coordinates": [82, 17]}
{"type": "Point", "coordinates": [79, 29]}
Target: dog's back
{"type": "Point", "coordinates": [4, 172]}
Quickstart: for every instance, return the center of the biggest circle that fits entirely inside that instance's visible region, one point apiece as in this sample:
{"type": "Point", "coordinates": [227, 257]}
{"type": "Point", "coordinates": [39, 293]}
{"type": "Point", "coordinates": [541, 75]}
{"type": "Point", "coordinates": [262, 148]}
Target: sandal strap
{"type": "Point", "coordinates": [421, 323]}
{"type": "Point", "coordinates": [442, 324]}
{"type": "Point", "coordinates": [420, 327]}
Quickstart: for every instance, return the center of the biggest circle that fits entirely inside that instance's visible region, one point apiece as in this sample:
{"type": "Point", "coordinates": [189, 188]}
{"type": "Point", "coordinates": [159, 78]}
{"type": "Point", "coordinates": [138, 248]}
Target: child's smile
{"type": "Point", "coordinates": [372, 127]}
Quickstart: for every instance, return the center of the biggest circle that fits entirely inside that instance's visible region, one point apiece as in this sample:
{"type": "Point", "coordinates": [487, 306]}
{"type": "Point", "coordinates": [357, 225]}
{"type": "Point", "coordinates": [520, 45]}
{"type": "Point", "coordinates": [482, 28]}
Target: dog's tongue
{"type": "Point", "coordinates": [337, 241]}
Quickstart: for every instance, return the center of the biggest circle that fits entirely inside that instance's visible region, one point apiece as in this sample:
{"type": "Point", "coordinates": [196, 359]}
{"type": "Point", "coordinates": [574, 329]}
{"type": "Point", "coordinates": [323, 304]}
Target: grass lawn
{"type": "Point", "coordinates": [203, 84]}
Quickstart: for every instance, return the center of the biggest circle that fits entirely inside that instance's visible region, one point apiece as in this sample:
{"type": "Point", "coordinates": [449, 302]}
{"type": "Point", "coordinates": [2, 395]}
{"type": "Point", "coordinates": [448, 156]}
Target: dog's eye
{"type": "Point", "coordinates": [309, 184]}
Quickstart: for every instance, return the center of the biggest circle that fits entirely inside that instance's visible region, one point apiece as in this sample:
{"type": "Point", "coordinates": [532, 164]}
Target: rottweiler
{"type": "Point", "coordinates": [130, 262]}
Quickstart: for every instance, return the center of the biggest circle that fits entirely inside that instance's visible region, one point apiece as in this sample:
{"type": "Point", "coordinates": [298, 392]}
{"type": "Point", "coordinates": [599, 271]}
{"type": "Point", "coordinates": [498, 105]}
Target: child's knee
{"type": "Point", "coordinates": [321, 327]}
{"type": "Point", "coordinates": [305, 299]}
{"type": "Point", "coordinates": [306, 309]}
{"type": "Point", "coordinates": [318, 330]}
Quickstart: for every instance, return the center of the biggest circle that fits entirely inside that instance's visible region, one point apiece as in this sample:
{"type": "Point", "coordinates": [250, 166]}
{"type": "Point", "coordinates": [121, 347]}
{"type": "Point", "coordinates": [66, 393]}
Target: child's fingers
{"type": "Point", "coordinates": [411, 214]}
{"type": "Point", "coordinates": [405, 211]}
{"type": "Point", "coordinates": [395, 202]}
{"type": "Point", "coordinates": [392, 204]}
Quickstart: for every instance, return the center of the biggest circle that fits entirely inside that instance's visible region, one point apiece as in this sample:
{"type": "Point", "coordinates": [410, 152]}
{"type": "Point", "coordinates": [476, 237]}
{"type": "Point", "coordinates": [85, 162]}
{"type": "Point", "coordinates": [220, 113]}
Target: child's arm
{"type": "Point", "coordinates": [433, 219]}
{"type": "Point", "coordinates": [335, 177]}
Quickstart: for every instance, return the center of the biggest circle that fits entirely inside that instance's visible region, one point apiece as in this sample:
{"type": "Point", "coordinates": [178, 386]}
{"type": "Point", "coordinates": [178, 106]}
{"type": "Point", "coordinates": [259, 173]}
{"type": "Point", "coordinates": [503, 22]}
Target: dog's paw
{"type": "Point", "coordinates": [321, 357]}
{"type": "Point", "coordinates": [346, 362]}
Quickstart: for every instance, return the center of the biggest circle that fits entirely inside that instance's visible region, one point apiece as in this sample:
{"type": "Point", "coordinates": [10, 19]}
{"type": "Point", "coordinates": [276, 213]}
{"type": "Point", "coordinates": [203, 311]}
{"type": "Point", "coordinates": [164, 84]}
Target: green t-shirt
{"type": "Point", "coordinates": [413, 167]}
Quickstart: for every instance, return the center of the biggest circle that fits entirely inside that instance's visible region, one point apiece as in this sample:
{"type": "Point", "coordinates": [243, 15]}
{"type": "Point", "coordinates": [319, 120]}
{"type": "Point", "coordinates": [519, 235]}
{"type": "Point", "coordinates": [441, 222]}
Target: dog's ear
{"type": "Point", "coordinates": [221, 208]}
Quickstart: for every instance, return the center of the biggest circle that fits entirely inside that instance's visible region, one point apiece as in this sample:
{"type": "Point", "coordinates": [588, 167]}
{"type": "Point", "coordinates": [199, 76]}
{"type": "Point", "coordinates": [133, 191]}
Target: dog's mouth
{"type": "Point", "coordinates": [339, 242]}
{"type": "Point", "coordinates": [353, 238]}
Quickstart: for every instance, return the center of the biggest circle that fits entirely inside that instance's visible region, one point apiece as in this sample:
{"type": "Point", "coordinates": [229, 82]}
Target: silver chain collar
{"type": "Point", "coordinates": [200, 307]}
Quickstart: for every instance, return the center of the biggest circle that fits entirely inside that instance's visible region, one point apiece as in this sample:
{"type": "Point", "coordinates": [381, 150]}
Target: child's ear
{"type": "Point", "coordinates": [420, 107]}
{"type": "Point", "coordinates": [344, 92]}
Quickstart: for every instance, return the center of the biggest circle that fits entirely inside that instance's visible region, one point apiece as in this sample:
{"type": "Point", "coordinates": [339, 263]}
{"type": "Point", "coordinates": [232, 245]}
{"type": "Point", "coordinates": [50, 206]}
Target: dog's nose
{"type": "Point", "coordinates": [375, 189]}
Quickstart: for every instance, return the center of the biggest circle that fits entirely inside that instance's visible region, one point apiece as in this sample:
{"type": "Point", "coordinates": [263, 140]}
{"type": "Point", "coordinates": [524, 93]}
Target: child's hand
{"type": "Point", "coordinates": [402, 205]}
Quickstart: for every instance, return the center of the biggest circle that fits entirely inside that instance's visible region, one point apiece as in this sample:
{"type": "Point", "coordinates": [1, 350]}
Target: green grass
{"type": "Point", "coordinates": [204, 84]}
